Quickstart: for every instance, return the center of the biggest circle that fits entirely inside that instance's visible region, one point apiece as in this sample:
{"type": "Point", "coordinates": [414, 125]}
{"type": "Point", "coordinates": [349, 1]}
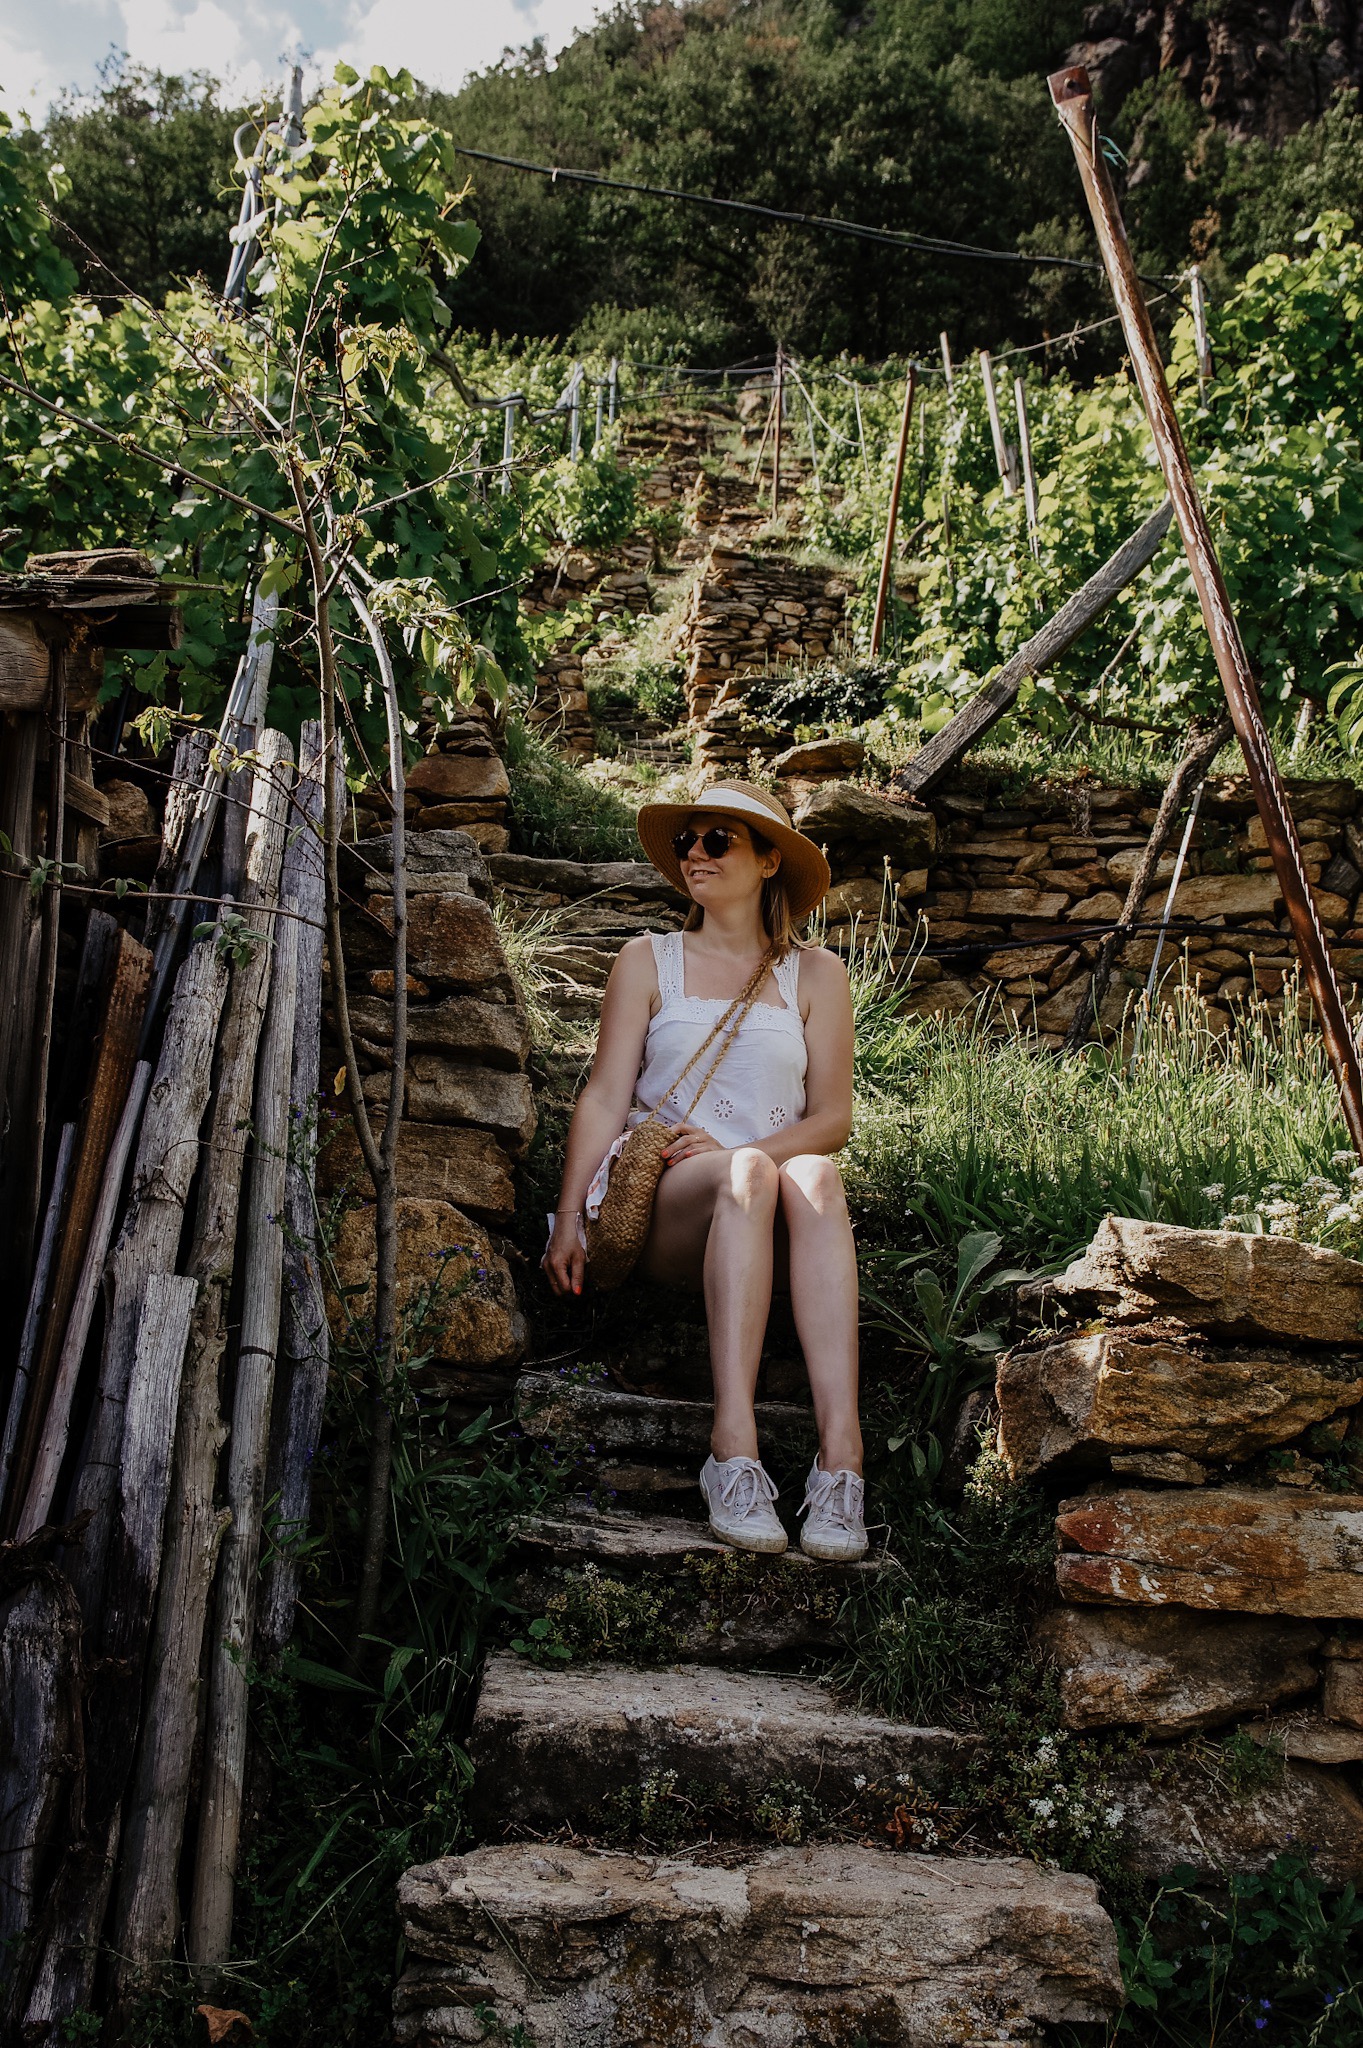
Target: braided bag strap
{"type": "Point", "coordinates": [742, 1003]}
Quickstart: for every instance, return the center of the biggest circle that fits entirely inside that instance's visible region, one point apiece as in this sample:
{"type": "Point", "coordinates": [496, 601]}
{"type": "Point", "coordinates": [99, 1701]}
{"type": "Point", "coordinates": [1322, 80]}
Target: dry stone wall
{"type": "Point", "coordinates": [1007, 895]}
{"type": "Point", "coordinates": [618, 583]}
{"type": "Point", "coordinates": [750, 612]}
{"type": "Point", "coordinates": [1210, 1564]}
{"type": "Point", "coordinates": [469, 1112]}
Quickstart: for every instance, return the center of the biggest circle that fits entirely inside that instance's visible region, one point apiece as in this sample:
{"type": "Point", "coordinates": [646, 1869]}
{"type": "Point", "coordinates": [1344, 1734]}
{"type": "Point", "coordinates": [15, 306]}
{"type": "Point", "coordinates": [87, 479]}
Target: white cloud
{"type": "Point", "coordinates": [443, 44]}
{"type": "Point", "coordinates": [46, 45]}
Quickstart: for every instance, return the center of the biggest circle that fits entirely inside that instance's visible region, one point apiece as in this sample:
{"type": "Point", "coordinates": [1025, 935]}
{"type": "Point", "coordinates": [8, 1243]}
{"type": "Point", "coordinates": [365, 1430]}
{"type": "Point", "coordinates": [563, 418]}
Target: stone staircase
{"type": "Point", "coordinates": [626, 1890]}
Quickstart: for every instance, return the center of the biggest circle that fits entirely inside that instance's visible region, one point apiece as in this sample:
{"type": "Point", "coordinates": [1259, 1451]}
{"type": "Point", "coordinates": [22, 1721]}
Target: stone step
{"type": "Point", "coordinates": [796, 1947]}
{"type": "Point", "coordinates": [709, 1604]}
{"type": "Point", "coordinates": [556, 1745]}
{"type": "Point", "coordinates": [595, 1413]}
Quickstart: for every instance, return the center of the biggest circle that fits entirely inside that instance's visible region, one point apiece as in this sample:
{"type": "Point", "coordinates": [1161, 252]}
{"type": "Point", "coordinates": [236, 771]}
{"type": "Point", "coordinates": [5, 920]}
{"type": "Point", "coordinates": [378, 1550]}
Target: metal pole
{"type": "Point", "coordinates": [1028, 475]}
{"type": "Point", "coordinates": [614, 389]}
{"type": "Point", "coordinates": [508, 443]}
{"type": "Point", "coordinates": [1203, 344]}
{"type": "Point", "coordinates": [995, 424]}
{"type": "Point", "coordinates": [892, 517]}
{"type": "Point", "coordinates": [947, 364]}
{"type": "Point", "coordinates": [778, 404]}
{"type": "Point", "coordinates": [600, 414]}
{"type": "Point", "coordinates": [1074, 103]}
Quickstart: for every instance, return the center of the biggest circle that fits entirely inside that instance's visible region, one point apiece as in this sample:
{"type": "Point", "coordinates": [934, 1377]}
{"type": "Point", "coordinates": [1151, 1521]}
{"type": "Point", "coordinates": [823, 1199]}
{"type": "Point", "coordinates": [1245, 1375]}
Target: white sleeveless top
{"type": "Point", "coordinates": [760, 1084]}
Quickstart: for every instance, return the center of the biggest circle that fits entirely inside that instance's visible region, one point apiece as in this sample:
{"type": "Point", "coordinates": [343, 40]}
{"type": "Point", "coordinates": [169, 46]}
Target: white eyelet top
{"type": "Point", "coordinates": [760, 1083]}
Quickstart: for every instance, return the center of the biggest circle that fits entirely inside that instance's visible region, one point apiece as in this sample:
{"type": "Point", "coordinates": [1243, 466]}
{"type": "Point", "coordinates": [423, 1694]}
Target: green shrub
{"type": "Point", "coordinates": [558, 811]}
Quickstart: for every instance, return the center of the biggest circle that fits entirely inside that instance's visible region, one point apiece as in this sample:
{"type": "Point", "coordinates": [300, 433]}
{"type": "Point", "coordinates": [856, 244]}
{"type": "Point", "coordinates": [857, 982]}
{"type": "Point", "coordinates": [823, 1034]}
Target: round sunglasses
{"type": "Point", "coordinates": [715, 843]}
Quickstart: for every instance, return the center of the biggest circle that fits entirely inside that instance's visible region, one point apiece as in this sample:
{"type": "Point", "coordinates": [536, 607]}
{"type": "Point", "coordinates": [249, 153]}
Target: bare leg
{"type": "Point", "coordinates": [823, 1295]}
{"type": "Point", "coordinates": [713, 1222]}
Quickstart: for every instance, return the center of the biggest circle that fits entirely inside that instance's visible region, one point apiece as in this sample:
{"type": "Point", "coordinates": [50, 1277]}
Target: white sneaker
{"type": "Point", "coordinates": [836, 1529]}
{"type": "Point", "coordinates": [739, 1496]}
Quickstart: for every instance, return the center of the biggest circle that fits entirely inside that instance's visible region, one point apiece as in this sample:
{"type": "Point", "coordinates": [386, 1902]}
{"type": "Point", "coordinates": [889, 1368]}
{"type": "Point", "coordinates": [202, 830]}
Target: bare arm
{"type": "Point", "coordinates": [826, 1124]}
{"type": "Point", "coordinates": [604, 1103]}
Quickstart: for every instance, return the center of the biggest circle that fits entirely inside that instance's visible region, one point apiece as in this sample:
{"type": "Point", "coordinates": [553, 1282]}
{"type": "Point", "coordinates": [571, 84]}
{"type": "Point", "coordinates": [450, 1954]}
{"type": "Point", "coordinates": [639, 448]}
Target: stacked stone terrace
{"type": "Point", "coordinates": [1195, 1398]}
{"type": "Point", "coordinates": [732, 1942]}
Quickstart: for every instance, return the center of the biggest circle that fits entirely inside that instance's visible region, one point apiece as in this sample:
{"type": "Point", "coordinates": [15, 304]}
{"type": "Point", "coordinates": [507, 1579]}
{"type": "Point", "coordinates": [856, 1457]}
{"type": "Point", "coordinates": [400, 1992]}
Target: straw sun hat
{"type": "Point", "coordinates": [803, 867]}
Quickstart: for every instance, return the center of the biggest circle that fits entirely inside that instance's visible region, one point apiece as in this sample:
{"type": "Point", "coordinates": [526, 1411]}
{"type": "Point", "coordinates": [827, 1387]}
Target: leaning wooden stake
{"type": "Point", "coordinates": [119, 1032]}
{"type": "Point", "coordinates": [1028, 474]}
{"type": "Point", "coordinates": [303, 1337]}
{"type": "Point", "coordinates": [1002, 451]}
{"type": "Point", "coordinates": [1074, 103]}
{"type": "Point", "coordinates": [148, 1242]}
{"type": "Point", "coordinates": [892, 517]}
{"type": "Point", "coordinates": [778, 406]}
{"type": "Point", "coordinates": [1204, 744]}
{"type": "Point", "coordinates": [229, 1653]}
{"type": "Point", "coordinates": [76, 1904]}
{"type": "Point", "coordinates": [146, 1914]}
{"type": "Point", "coordinates": [984, 710]}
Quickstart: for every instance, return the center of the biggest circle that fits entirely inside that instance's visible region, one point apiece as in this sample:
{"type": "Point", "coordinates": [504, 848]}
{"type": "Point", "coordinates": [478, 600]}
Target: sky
{"type": "Point", "coordinates": [46, 45]}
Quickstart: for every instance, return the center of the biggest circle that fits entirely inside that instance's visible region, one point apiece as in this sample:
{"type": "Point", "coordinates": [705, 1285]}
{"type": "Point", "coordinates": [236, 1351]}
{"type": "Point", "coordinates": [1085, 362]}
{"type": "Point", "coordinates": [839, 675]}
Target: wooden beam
{"type": "Point", "coordinates": [984, 710]}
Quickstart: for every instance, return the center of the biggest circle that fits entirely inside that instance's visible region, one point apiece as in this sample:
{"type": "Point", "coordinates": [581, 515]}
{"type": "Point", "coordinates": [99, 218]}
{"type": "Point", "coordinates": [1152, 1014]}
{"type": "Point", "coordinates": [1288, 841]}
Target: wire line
{"type": "Point", "coordinates": [928, 245]}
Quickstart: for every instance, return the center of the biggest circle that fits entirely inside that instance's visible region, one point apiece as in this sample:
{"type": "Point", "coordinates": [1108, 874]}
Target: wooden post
{"type": "Point", "coordinates": [117, 1623]}
{"type": "Point", "coordinates": [113, 1068]}
{"type": "Point", "coordinates": [988, 706]}
{"type": "Point", "coordinates": [1074, 103]}
{"type": "Point", "coordinates": [861, 431]}
{"type": "Point", "coordinates": [813, 446]}
{"type": "Point", "coordinates": [56, 1422]}
{"type": "Point", "coordinates": [304, 1338]}
{"type": "Point", "coordinates": [575, 412]}
{"type": "Point", "coordinates": [1200, 337]}
{"type": "Point", "coordinates": [600, 416]}
{"type": "Point", "coordinates": [778, 407]}
{"type": "Point", "coordinates": [991, 400]}
{"type": "Point", "coordinates": [146, 1912]}
{"type": "Point", "coordinates": [614, 390]}
{"type": "Point", "coordinates": [947, 364]}
{"type": "Point", "coordinates": [229, 1653]}
{"type": "Point", "coordinates": [1203, 744]}
{"type": "Point", "coordinates": [1028, 477]}
{"type": "Point", "coordinates": [37, 1299]}
{"type": "Point", "coordinates": [149, 1240]}
{"type": "Point", "coordinates": [762, 444]}
{"type": "Point", "coordinates": [892, 517]}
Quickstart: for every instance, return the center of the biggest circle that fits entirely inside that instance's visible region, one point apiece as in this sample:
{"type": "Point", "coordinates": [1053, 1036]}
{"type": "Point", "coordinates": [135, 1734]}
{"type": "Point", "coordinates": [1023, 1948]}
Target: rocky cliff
{"type": "Point", "coordinates": [1258, 67]}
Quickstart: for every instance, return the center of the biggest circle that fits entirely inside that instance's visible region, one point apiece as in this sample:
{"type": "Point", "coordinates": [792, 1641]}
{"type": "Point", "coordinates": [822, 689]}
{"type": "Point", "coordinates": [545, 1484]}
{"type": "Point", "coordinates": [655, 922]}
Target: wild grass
{"type": "Point", "coordinates": [962, 1127]}
{"type": "Point", "coordinates": [558, 812]}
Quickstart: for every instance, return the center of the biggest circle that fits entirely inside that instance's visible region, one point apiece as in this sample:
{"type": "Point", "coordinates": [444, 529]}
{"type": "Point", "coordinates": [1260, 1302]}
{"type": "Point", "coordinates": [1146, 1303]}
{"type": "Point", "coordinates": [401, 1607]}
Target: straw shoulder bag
{"type": "Point", "coordinates": [616, 1234]}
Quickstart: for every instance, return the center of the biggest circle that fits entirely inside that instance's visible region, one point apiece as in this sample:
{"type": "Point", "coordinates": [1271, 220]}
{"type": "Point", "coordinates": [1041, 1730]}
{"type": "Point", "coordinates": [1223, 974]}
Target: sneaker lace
{"type": "Point", "coordinates": [833, 1497]}
{"type": "Point", "coordinates": [742, 1487]}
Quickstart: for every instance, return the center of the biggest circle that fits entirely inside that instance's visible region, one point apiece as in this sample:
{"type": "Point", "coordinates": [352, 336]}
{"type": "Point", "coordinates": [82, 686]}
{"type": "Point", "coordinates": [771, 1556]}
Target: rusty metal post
{"type": "Point", "coordinates": [1074, 103]}
{"type": "Point", "coordinates": [892, 517]}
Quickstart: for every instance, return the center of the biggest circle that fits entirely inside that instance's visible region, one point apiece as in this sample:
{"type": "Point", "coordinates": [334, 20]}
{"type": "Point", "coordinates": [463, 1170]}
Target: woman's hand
{"type": "Point", "coordinates": [687, 1141]}
{"type": "Point", "coordinates": [565, 1262]}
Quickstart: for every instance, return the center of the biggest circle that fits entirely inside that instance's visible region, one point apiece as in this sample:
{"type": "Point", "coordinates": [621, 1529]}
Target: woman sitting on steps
{"type": "Point", "coordinates": [749, 1197]}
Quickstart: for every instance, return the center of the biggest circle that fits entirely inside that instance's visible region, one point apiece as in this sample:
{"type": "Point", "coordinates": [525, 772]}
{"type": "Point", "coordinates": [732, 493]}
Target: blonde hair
{"type": "Point", "coordinates": [777, 922]}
